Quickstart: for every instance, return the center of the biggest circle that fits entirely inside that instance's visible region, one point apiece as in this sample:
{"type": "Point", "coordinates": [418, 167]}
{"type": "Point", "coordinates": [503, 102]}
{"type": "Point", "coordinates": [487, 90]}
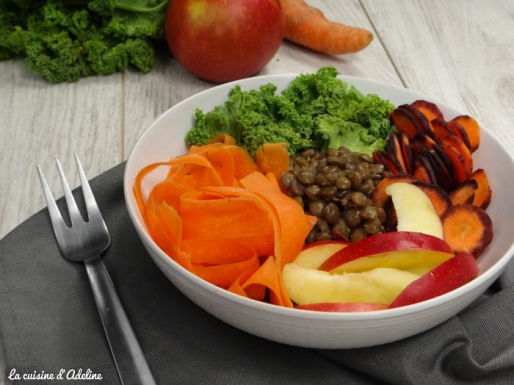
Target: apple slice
{"type": "Point", "coordinates": [315, 253]}
{"type": "Point", "coordinates": [414, 210]}
{"type": "Point", "coordinates": [380, 285]}
{"type": "Point", "coordinates": [444, 278]}
{"type": "Point", "coordinates": [418, 261]}
{"type": "Point", "coordinates": [379, 195]}
{"type": "Point", "coordinates": [401, 250]}
{"type": "Point", "coordinates": [439, 198]}
{"type": "Point", "coordinates": [349, 307]}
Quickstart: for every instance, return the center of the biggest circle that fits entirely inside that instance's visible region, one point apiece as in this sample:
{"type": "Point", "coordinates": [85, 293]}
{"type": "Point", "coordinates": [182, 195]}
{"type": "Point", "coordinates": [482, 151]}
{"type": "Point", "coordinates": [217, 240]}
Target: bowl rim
{"type": "Point", "coordinates": [491, 273]}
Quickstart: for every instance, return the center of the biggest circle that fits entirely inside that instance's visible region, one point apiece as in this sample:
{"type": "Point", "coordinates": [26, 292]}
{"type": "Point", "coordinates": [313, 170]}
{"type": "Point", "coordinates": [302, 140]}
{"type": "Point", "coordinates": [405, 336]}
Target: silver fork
{"type": "Point", "coordinates": [85, 241]}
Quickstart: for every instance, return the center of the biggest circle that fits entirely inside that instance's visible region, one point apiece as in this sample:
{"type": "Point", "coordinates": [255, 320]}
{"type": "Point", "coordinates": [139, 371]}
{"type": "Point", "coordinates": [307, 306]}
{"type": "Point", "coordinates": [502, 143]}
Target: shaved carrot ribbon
{"type": "Point", "coordinates": [225, 219]}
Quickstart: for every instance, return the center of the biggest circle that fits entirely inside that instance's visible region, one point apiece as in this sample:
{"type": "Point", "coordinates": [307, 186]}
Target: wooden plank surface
{"type": "Point", "coordinates": [460, 52]}
{"type": "Point", "coordinates": [39, 122]}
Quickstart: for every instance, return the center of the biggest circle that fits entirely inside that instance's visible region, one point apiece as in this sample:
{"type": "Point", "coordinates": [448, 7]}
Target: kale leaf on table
{"type": "Point", "coordinates": [66, 40]}
{"type": "Point", "coordinates": [317, 110]}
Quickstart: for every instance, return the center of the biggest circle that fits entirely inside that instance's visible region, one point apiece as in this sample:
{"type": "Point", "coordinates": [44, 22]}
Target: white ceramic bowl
{"type": "Point", "coordinates": [165, 138]}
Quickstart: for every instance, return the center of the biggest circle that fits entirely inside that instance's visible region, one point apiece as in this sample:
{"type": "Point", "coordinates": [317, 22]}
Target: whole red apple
{"type": "Point", "coordinates": [224, 40]}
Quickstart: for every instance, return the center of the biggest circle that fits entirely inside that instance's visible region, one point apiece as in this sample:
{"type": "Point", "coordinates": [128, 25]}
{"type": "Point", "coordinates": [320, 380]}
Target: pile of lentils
{"type": "Point", "coordinates": [335, 186]}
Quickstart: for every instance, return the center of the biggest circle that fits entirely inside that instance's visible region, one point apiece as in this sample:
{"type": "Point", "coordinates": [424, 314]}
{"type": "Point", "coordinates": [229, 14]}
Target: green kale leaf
{"type": "Point", "coordinates": [66, 40]}
{"type": "Point", "coordinates": [355, 137]}
{"type": "Point", "coordinates": [316, 110]}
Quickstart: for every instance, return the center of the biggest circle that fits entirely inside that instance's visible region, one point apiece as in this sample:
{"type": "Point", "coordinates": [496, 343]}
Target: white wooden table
{"type": "Point", "coordinates": [457, 51]}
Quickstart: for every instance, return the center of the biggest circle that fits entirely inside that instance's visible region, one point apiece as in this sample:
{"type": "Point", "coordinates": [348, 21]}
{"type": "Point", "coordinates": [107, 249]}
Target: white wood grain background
{"type": "Point", "coordinates": [457, 51]}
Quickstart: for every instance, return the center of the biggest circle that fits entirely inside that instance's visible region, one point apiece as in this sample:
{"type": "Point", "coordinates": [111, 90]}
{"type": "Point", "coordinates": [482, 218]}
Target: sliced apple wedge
{"type": "Point", "coordinates": [420, 261]}
{"type": "Point", "coordinates": [439, 198]}
{"type": "Point", "coordinates": [305, 286]}
{"type": "Point", "coordinates": [414, 209]}
{"type": "Point", "coordinates": [315, 253]}
{"type": "Point", "coordinates": [401, 250]}
{"type": "Point", "coordinates": [379, 196]}
{"type": "Point", "coordinates": [446, 277]}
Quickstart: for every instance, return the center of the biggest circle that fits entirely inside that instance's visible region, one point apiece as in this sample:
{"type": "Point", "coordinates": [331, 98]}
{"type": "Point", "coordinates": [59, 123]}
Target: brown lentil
{"type": "Point", "coordinates": [335, 186]}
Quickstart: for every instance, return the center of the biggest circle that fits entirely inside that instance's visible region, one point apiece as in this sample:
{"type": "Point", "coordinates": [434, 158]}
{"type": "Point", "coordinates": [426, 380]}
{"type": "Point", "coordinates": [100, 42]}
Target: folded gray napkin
{"type": "Point", "coordinates": [50, 327]}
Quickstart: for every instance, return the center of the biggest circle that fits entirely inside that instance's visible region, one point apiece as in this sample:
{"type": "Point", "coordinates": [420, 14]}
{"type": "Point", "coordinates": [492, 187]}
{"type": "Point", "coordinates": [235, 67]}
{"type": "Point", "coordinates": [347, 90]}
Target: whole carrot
{"type": "Point", "coordinates": [308, 27]}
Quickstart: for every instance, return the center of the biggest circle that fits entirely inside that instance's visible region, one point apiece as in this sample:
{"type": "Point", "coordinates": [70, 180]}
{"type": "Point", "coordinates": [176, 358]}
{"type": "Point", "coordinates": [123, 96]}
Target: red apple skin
{"type": "Point", "coordinates": [350, 307]}
{"type": "Point", "coordinates": [224, 40]}
{"type": "Point", "coordinates": [384, 243]}
{"type": "Point", "coordinates": [444, 278]}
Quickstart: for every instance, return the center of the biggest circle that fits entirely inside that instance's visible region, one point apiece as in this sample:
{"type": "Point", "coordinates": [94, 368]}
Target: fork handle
{"type": "Point", "coordinates": [126, 351]}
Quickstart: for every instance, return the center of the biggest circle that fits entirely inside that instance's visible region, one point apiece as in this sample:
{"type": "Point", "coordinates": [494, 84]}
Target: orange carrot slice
{"type": "Point", "coordinates": [214, 214]}
{"type": "Point", "coordinates": [460, 132]}
{"type": "Point", "coordinates": [223, 275]}
{"type": "Point", "coordinates": [290, 224]}
{"type": "Point", "coordinates": [272, 158]}
{"type": "Point", "coordinates": [268, 275]}
{"type": "Point", "coordinates": [464, 193]}
{"type": "Point", "coordinates": [483, 194]}
{"type": "Point", "coordinates": [256, 292]}
{"type": "Point", "coordinates": [227, 214]}
{"type": "Point", "coordinates": [459, 145]}
{"type": "Point", "coordinates": [404, 121]}
{"type": "Point", "coordinates": [138, 183]}
{"type": "Point", "coordinates": [467, 228]}
{"type": "Point", "coordinates": [223, 138]}
{"type": "Point", "coordinates": [460, 169]}
{"type": "Point", "coordinates": [170, 192]}
{"type": "Point", "coordinates": [472, 129]}
{"type": "Point", "coordinates": [164, 227]}
{"type": "Point", "coordinates": [441, 128]}
{"type": "Point", "coordinates": [242, 163]}
{"type": "Point", "coordinates": [209, 251]}
{"type": "Point", "coordinates": [394, 147]}
{"type": "Point", "coordinates": [429, 109]}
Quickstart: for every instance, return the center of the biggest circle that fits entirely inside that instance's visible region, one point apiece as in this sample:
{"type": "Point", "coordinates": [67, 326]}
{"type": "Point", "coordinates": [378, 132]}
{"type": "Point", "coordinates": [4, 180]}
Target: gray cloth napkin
{"type": "Point", "coordinates": [49, 324]}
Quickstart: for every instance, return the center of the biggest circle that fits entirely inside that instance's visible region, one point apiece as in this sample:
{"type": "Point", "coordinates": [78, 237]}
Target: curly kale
{"type": "Point", "coordinates": [316, 110]}
{"type": "Point", "coordinates": [66, 40]}
{"type": "Point", "coordinates": [253, 118]}
{"type": "Point", "coordinates": [321, 93]}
